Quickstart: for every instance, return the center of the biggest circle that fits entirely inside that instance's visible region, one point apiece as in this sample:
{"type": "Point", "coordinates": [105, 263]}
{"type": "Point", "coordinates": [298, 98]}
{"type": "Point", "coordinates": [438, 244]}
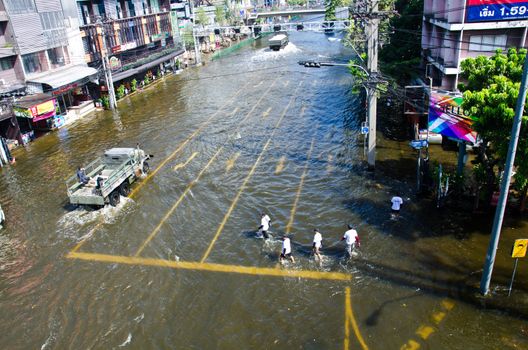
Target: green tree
{"type": "Point", "coordinates": [401, 55]}
{"type": "Point", "coordinates": [490, 96]}
{"type": "Point", "coordinates": [202, 19]}
{"type": "Point", "coordinates": [219, 14]}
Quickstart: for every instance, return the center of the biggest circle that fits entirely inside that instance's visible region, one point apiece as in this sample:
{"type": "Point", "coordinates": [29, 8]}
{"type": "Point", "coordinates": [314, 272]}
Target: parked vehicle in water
{"type": "Point", "coordinates": [110, 177]}
{"type": "Point", "coordinates": [278, 41]}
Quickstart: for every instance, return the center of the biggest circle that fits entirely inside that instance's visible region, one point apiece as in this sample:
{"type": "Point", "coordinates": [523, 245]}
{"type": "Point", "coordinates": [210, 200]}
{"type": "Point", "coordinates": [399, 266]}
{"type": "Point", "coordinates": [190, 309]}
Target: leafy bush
{"type": "Point", "coordinates": [120, 92]}
{"type": "Point", "coordinates": [133, 85]}
{"type": "Point", "coordinates": [106, 102]}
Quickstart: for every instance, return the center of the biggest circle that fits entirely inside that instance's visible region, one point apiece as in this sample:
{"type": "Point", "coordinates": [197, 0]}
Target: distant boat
{"type": "Point", "coordinates": [278, 41]}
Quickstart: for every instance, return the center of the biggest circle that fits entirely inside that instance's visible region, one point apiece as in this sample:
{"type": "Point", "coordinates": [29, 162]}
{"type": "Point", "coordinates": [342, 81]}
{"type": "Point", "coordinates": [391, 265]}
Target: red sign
{"type": "Point", "coordinates": [116, 48]}
{"type": "Point", "coordinates": [64, 89]}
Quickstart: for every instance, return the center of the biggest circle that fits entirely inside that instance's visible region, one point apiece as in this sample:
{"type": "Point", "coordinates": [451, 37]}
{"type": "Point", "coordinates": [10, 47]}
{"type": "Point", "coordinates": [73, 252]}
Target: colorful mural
{"type": "Point", "coordinates": [496, 10]}
{"type": "Point", "coordinates": [447, 118]}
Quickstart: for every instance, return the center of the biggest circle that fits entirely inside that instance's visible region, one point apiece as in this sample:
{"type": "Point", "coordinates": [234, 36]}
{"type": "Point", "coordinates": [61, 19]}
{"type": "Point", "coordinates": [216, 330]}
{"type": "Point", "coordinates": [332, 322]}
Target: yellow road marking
{"type": "Point", "coordinates": [448, 304]}
{"type": "Point", "coordinates": [280, 165]}
{"type": "Point", "coordinates": [182, 165]}
{"type": "Point", "coordinates": [231, 162]}
{"type": "Point", "coordinates": [266, 112]}
{"type": "Point", "coordinates": [246, 180]}
{"type": "Point", "coordinates": [410, 345]}
{"type": "Point", "coordinates": [299, 189]}
{"type": "Point", "coordinates": [165, 218]}
{"type": "Point", "coordinates": [237, 269]}
{"type": "Point", "coordinates": [183, 144]}
{"type": "Point", "coordinates": [234, 111]}
{"type": "Point", "coordinates": [173, 154]}
{"type": "Point", "coordinates": [425, 331]}
{"type": "Point", "coordinates": [173, 208]}
{"type": "Point", "coordinates": [349, 318]}
{"type": "Point", "coordinates": [438, 316]}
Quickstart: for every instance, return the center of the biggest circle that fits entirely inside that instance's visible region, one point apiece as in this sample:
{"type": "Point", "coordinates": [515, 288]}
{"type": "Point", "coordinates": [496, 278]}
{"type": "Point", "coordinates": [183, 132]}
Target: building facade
{"type": "Point", "coordinates": [139, 37]}
{"type": "Point", "coordinates": [457, 29]}
{"type": "Point", "coordinates": [42, 55]}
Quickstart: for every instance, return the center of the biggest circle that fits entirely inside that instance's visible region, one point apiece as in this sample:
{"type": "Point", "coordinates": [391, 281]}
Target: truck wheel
{"type": "Point", "coordinates": [124, 189]}
{"type": "Point", "coordinates": [146, 168]}
{"type": "Point", "coordinates": [114, 198]}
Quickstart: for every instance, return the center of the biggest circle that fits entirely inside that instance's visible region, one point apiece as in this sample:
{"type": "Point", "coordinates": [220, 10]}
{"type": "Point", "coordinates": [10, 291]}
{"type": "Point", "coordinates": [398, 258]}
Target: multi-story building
{"type": "Point", "coordinates": [138, 36]}
{"type": "Point", "coordinates": [457, 29]}
{"type": "Point", "coordinates": [41, 54]}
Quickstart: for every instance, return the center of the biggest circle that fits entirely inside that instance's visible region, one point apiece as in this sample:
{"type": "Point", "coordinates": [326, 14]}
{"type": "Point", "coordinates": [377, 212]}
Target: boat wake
{"type": "Point", "coordinates": [270, 55]}
{"type": "Point", "coordinates": [71, 224]}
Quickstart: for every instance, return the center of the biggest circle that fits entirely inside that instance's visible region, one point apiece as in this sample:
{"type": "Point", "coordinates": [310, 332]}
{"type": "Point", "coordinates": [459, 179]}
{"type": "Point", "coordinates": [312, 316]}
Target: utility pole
{"type": "Point", "coordinates": [372, 65]}
{"type": "Point", "coordinates": [368, 12]}
{"type": "Point", "coordinates": [505, 185]}
{"type": "Point", "coordinates": [106, 69]}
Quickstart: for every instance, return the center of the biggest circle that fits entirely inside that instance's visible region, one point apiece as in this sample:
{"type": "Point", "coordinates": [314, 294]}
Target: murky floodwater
{"type": "Point", "coordinates": [168, 268]}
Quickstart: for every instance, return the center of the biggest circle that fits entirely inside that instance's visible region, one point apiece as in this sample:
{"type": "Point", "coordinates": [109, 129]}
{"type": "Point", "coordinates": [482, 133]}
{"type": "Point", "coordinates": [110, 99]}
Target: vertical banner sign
{"type": "Point", "coordinates": [496, 10]}
{"type": "Point", "coordinates": [447, 118]}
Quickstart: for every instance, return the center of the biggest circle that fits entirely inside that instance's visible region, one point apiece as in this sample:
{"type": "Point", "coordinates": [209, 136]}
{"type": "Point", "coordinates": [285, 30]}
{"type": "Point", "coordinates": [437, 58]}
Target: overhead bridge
{"type": "Point", "coordinates": [319, 26]}
{"type": "Point", "coordinates": [341, 12]}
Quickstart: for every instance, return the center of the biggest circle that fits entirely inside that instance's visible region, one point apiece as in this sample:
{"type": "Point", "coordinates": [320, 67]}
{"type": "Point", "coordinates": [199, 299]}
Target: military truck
{"type": "Point", "coordinates": [110, 177]}
{"type": "Point", "coordinates": [278, 41]}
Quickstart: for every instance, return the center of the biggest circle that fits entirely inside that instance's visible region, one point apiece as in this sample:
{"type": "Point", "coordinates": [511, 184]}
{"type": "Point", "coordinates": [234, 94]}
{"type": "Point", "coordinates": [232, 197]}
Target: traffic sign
{"type": "Point", "coordinates": [417, 144]}
{"type": "Point", "coordinates": [364, 130]}
{"type": "Point", "coordinates": [519, 248]}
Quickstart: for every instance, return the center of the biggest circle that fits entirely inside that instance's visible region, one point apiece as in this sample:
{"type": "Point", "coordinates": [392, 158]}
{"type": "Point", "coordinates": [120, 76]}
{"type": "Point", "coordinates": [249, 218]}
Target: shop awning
{"type": "Point", "coordinates": [65, 76]}
{"type": "Point", "coordinates": [32, 100]}
{"type": "Point", "coordinates": [128, 73]}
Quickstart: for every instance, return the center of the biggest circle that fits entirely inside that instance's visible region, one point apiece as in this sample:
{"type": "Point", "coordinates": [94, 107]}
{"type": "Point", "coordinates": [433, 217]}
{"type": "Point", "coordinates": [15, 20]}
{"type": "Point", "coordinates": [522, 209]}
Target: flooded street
{"type": "Point", "coordinates": [177, 265]}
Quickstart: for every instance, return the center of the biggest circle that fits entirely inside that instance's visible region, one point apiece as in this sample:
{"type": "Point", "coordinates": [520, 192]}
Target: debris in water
{"type": "Point", "coordinates": [127, 341]}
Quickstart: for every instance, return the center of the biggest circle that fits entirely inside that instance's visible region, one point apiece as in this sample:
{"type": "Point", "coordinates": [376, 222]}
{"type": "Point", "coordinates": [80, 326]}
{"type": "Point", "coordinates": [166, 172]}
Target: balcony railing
{"type": "Point", "coordinates": [140, 58]}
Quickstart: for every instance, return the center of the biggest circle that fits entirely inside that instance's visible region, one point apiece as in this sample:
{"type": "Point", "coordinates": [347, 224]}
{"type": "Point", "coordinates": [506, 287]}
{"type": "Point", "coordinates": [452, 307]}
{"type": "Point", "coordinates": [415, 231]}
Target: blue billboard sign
{"type": "Point", "coordinates": [496, 10]}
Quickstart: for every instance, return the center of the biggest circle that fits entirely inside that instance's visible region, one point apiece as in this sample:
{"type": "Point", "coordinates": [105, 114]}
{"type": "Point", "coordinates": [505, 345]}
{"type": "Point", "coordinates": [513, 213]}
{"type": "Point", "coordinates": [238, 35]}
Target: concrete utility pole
{"type": "Point", "coordinates": [505, 185]}
{"type": "Point", "coordinates": [106, 69]}
{"type": "Point", "coordinates": [372, 65]}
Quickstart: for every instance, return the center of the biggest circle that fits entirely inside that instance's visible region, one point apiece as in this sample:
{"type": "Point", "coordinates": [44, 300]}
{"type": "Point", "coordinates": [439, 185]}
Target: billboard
{"type": "Point", "coordinates": [496, 10]}
{"type": "Point", "coordinates": [447, 118]}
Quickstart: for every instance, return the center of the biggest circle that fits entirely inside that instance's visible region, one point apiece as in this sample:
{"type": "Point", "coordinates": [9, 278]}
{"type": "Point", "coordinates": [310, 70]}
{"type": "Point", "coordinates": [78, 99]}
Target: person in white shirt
{"type": "Point", "coordinates": [317, 244]}
{"type": "Point", "coordinates": [286, 252]}
{"type": "Point", "coordinates": [396, 204]}
{"type": "Point", "coordinates": [351, 239]}
{"type": "Point", "coordinates": [265, 221]}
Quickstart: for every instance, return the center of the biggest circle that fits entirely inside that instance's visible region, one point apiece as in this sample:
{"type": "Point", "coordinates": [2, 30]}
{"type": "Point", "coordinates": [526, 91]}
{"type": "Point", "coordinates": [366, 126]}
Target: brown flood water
{"type": "Point", "coordinates": [178, 265]}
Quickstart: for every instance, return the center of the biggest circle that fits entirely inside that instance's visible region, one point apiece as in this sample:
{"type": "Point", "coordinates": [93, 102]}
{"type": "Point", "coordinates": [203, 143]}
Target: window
{"type": "Point", "coordinates": [20, 6]}
{"type": "Point", "coordinates": [487, 43]}
{"type": "Point", "coordinates": [52, 20]}
{"type": "Point", "coordinates": [56, 57]}
{"type": "Point", "coordinates": [31, 63]}
{"type": "Point", "coordinates": [7, 63]}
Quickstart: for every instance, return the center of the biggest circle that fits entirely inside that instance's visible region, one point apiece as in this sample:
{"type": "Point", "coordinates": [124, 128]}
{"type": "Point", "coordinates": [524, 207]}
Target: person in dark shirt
{"type": "Point", "coordinates": [81, 175]}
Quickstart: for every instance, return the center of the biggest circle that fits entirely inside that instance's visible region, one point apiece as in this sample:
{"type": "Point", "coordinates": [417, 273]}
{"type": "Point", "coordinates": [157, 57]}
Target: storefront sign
{"type": "Point", "coordinates": [128, 46]}
{"type": "Point", "coordinates": [447, 118]}
{"type": "Point", "coordinates": [46, 107]}
{"type": "Point", "coordinates": [496, 10]}
{"type": "Point", "coordinates": [64, 89]}
{"type": "Point", "coordinates": [155, 37]}
{"type": "Point", "coordinates": [116, 48]}
{"type": "Point", "coordinates": [38, 112]}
